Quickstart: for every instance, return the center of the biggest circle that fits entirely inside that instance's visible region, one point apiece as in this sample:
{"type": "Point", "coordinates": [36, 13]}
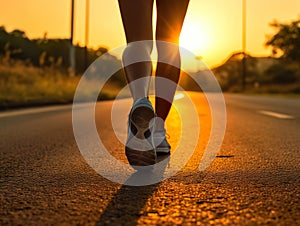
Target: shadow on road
{"type": "Point", "coordinates": [128, 203]}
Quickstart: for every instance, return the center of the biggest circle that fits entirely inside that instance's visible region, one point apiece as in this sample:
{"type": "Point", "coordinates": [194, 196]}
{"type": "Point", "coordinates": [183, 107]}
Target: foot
{"type": "Point", "coordinates": [139, 149]}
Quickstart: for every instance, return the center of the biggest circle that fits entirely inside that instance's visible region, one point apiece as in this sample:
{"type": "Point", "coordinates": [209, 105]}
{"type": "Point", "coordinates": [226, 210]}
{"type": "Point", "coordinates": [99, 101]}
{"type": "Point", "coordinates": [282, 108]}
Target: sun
{"type": "Point", "coordinates": [194, 37]}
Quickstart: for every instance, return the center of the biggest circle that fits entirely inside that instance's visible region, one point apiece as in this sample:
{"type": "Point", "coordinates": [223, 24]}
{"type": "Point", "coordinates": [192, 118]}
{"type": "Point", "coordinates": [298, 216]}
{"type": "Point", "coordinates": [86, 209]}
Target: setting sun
{"type": "Point", "coordinates": [212, 29]}
{"type": "Point", "coordinates": [195, 38]}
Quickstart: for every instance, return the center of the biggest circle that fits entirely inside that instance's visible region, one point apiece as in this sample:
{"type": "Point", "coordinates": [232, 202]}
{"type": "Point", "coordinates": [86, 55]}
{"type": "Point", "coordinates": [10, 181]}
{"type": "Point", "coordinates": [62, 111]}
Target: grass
{"type": "Point", "coordinates": [24, 85]}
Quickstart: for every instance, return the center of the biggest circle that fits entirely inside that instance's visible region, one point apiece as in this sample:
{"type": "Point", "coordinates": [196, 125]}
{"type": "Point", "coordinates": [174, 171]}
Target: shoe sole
{"type": "Point", "coordinates": [141, 118]}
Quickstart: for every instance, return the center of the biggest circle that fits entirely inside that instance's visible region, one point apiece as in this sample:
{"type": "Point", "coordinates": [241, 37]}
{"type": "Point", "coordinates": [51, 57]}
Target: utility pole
{"type": "Point", "coordinates": [244, 29]}
{"type": "Point", "coordinates": [87, 21]}
{"type": "Point", "coordinates": [72, 47]}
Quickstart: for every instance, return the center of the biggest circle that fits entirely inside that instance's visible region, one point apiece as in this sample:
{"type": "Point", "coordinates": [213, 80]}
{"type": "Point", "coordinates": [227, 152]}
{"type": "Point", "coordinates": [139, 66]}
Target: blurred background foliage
{"type": "Point", "coordinates": [279, 73]}
{"type": "Point", "coordinates": [35, 71]}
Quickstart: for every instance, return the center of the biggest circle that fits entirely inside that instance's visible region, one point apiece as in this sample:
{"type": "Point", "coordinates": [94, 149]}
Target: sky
{"type": "Point", "coordinates": [212, 28]}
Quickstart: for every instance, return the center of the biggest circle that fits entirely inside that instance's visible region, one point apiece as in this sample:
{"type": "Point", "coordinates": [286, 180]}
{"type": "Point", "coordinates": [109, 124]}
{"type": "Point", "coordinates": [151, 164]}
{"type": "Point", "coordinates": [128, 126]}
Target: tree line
{"type": "Point", "coordinates": [44, 52]}
{"type": "Point", "coordinates": [281, 69]}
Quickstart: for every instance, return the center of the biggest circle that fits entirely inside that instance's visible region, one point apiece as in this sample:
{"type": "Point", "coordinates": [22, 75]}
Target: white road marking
{"type": "Point", "coordinates": [276, 115]}
{"type": "Point", "coordinates": [33, 111]}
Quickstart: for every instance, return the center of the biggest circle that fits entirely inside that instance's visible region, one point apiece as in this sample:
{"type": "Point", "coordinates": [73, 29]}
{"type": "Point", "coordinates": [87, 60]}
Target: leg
{"type": "Point", "coordinates": [137, 22]}
{"type": "Point", "coordinates": [170, 17]}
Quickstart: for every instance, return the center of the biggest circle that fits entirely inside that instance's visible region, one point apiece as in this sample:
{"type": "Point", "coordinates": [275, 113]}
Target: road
{"type": "Point", "coordinates": [254, 180]}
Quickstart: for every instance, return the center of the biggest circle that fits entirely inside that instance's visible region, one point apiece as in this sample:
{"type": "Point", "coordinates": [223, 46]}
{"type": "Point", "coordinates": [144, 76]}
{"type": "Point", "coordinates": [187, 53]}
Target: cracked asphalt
{"type": "Point", "coordinates": [254, 180]}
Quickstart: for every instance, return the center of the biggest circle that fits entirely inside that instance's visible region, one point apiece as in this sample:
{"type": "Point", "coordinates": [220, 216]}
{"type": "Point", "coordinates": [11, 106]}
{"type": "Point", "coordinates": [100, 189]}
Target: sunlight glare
{"type": "Point", "coordinates": [178, 96]}
{"type": "Point", "coordinates": [194, 37]}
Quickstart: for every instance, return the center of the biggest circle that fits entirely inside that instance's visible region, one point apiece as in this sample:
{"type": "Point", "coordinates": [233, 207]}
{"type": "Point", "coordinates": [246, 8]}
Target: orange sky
{"type": "Point", "coordinates": [215, 24]}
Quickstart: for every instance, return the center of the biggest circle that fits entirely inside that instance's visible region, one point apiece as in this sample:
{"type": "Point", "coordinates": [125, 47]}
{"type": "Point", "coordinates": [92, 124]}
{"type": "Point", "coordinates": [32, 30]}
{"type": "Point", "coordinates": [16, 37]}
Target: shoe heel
{"type": "Point", "coordinates": [141, 118]}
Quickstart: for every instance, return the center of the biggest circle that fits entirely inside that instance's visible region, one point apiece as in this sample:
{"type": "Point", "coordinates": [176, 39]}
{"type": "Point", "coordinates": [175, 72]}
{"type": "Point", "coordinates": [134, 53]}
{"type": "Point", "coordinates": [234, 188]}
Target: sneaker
{"type": "Point", "coordinates": [160, 142]}
{"type": "Point", "coordinates": [139, 149]}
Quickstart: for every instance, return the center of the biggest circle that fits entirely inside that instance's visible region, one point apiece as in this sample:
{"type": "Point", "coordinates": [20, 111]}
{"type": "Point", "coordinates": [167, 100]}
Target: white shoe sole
{"type": "Point", "coordinates": [140, 119]}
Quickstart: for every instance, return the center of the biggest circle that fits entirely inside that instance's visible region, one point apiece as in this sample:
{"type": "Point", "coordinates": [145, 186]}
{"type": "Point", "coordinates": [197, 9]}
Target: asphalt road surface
{"type": "Point", "coordinates": [254, 180]}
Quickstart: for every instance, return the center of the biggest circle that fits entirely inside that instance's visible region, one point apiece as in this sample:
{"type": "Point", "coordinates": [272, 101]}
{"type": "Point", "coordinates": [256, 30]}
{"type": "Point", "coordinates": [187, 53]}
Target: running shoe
{"type": "Point", "coordinates": [139, 149]}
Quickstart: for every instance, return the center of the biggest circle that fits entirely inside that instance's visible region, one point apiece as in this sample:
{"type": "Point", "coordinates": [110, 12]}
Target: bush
{"type": "Point", "coordinates": [25, 85]}
{"type": "Point", "coordinates": [281, 74]}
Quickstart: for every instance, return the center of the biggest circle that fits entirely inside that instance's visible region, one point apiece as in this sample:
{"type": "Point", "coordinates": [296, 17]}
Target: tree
{"type": "Point", "coordinates": [229, 73]}
{"type": "Point", "coordinates": [287, 39]}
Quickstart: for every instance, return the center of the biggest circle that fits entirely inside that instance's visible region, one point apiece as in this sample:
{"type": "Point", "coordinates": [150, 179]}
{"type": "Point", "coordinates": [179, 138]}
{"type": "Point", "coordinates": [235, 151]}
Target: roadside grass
{"type": "Point", "coordinates": [25, 85]}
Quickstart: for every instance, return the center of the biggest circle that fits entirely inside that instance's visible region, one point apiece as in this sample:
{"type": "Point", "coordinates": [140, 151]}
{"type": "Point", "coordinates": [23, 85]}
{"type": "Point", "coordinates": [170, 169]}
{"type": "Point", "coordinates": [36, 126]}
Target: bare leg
{"type": "Point", "coordinates": [137, 22]}
{"type": "Point", "coordinates": [170, 17]}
